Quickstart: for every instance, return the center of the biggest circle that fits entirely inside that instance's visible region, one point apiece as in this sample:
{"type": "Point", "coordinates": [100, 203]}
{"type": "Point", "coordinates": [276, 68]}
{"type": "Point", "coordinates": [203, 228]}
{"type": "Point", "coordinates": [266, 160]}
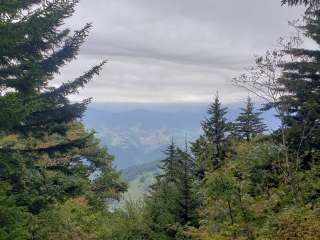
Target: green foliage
{"type": "Point", "coordinates": [296, 223]}
{"type": "Point", "coordinates": [56, 179]}
{"type": "Point", "coordinates": [128, 223]}
{"type": "Point", "coordinates": [47, 158]}
{"type": "Point", "coordinates": [186, 182]}
{"type": "Point", "coordinates": [216, 129]}
{"type": "Point", "coordinates": [249, 124]}
{"type": "Point", "coordinates": [13, 219]}
{"type": "Point", "coordinates": [300, 80]}
{"type": "Point", "coordinates": [248, 197]}
{"type": "Point", "coordinates": [170, 165]}
{"type": "Point", "coordinates": [172, 203]}
{"type": "Point", "coordinates": [211, 148]}
{"type": "Point", "coordinates": [161, 209]}
{"type": "Point", "coordinates": [71, 220]}
{"type": "Point", "coordinates": [14, 109]}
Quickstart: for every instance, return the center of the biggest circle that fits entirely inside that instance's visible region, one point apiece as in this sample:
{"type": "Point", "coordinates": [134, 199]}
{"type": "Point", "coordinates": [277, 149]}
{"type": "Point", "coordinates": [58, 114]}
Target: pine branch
{"type": "Point", "coordinates": [62, 114]}
{"type": "Point", "coordinates": [12, 7]}
{"type": "Point", "coordinates": [72, 87]}
{"type": "Point", "coordinates": [62, 147]}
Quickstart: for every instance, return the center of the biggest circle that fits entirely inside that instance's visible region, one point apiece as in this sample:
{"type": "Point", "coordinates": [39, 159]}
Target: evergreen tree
{"type": "Point", "coordinates": [161, 210]}
{"type": "Point", "coordinates": [172, 204]}
{"type": "Point", "coordinates": [216, 130]}
{"type": "Point", "coordinates": [14, 220]}
{"type": "Point", "coordinates": [162, 203]}
{"type": "Point", "coordinates": [301, 80]}
{"type": "Point", "coordinates": [185, 185]}
{"type": "Point", "coordinates": [46, 154]}
{"type": "Point", "coordinates": [170, 164]}
{"type": "Point", "coordinates": [202, 153]}
{"type": "Point", "coordinates": [249, 123]}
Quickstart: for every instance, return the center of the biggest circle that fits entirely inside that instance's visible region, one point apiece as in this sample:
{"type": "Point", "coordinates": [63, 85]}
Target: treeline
{"type": "Point", "coordinates": [237, 181]}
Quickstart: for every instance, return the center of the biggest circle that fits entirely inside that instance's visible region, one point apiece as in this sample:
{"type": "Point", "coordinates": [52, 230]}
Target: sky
{"type": "Point", "coordinates": [173, 50]}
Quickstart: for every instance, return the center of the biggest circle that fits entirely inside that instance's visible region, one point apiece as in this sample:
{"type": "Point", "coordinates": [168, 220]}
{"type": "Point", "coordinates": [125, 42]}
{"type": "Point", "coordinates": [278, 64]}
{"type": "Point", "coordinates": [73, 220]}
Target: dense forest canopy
{"type": "Point", "coordinates": [236, 181]}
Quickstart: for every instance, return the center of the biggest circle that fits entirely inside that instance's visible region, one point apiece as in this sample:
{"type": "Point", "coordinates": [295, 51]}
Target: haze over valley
{"type": "Point", "coordinates": [138, 133]}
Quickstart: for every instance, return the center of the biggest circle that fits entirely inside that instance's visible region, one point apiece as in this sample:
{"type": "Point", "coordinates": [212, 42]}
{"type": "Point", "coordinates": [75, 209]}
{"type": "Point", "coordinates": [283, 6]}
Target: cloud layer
{"type": "Point", "coordinates": [174, 50]}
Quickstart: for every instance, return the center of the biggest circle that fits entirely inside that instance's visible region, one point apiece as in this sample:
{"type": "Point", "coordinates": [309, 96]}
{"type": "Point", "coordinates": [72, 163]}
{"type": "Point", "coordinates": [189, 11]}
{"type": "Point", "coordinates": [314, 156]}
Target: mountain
{"type": "Point", "coordinates": [138, 133]}
{"type": "Point", "coordinates": [131, 173]}
{"type": "Point", "coordinates": [140, 178]}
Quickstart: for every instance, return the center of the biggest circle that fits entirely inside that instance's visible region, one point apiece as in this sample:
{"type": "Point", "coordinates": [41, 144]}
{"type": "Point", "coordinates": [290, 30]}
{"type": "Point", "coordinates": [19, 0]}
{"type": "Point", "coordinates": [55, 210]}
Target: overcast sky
{"type": "Point", "coordinates": [174, 50]}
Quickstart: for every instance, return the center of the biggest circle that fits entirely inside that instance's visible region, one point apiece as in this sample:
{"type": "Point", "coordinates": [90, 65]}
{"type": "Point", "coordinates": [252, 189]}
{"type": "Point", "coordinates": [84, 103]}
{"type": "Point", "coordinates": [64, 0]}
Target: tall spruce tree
{"type": "Point", "coordinates": [216, 130]}
{"type": "Point", "coordinates": [170, 164]}
{"type": "Point", "coordinates": [162, 204]}
{"type": "Point", "coordinates": [301, 80]}
{"type": "Point", "coordinates": [203, 155]}
{"type": "Point", "coordinates": [172, 203]}
{"type": "Point", "coordinates": [249, 123]}
{"type": "Point", "coordinates": [46, 154]}
{"type": "Point", "coordinates": [187, 201]}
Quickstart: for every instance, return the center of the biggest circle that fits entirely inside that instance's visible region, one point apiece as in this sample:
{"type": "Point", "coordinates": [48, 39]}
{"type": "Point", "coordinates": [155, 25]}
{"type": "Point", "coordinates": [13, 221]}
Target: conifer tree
{"type": "Point", "coordinates": [46, 154]}
{"type": "Point", "coordinates": [170, 164]}
{"type": "Point", "coordinates": [185, 185]}
{"type": "Point", "coordinates": [301, 80]}
{"type": "Point", "coordinates": [216, 130]}
{"type": "Point", "coordinates": [172, 202]}
{"type": "Point", "coordinates": [202, 153]}
{"type": "Point", "coordinates": [249, 123]}
{"type": "Point", "coordinates": [162, 203]}
{"type": "Point", "coordinates": [161, 210]}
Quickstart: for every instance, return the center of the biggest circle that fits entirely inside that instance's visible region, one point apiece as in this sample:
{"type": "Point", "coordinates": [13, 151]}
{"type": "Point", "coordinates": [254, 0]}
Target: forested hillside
{"type": "Point", "coordinates": [136, 135]}
{"type": "Point", "coordinates": [139, 133]}
{"type": "Point", "coordinates": [235, 181]}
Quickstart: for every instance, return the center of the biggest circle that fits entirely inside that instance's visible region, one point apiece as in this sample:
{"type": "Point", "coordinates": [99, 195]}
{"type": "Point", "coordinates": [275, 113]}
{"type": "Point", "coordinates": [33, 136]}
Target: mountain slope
{"type": "Point", "coordinates": [138, 133]}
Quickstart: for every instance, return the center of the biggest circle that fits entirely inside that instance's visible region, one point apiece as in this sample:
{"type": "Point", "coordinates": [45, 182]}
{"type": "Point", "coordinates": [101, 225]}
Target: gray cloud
{"type": "Point", "coordinates": [174, 50]}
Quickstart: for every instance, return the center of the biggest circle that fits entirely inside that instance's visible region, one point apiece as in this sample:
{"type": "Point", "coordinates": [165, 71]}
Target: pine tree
{"type": "Point", "coordinates": [249, 123]}
{"type": "Point", "coordinates": [185, 185]}
{"type": "Point", "coordinates": [161, 210]}
{"type": "Point", "coordinates": [162, 203]}
{"type": "Point", "coordinates": [202, 153]}
{"type": "Point", "coordinates": [216, 130]}
{"type": "Point", "coordinates": [170, 164]}
{"type": "Point", "coordinates": [301, 80]}
{"type": "Point", "coordinates": [46, 154]}
{"type": "Point", "coordinates": [172, 203]}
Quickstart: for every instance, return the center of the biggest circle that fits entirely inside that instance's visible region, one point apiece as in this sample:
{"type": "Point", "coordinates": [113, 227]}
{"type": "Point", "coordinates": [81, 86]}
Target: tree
{"type": "Point", "coordinates": [161, 207]}
{"type": "Point", "coordinates": [14, 220]}
{"type": "Point", "coordinates": [172, 203]}
{"type": "Point", "coordinates": [216, 130]}
{"type": "Point", "coordinates": [128, 222]}
{"type": "Point", "coordinates": [263, 80]}
{"type": "Point", "coordinates": [185, 185]}
{"type": "Point", "coordinates": [249, 123]}
{"type": "Point", "coordinates": [300, 80]}
{"type": "Point", "coordinates": [46, 154]}
{"type": "Point", "coordinates": [203, 154]}
{"type": "Point", "coordinates": [170, 164]}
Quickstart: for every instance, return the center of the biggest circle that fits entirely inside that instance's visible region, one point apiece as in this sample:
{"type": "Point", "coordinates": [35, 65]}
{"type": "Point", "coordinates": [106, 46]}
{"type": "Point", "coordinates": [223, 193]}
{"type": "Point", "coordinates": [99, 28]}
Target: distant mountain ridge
{"type": "Point", "coordinates": [131, 173]}
{"type": "Point", "coordinates": [138, 133]}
